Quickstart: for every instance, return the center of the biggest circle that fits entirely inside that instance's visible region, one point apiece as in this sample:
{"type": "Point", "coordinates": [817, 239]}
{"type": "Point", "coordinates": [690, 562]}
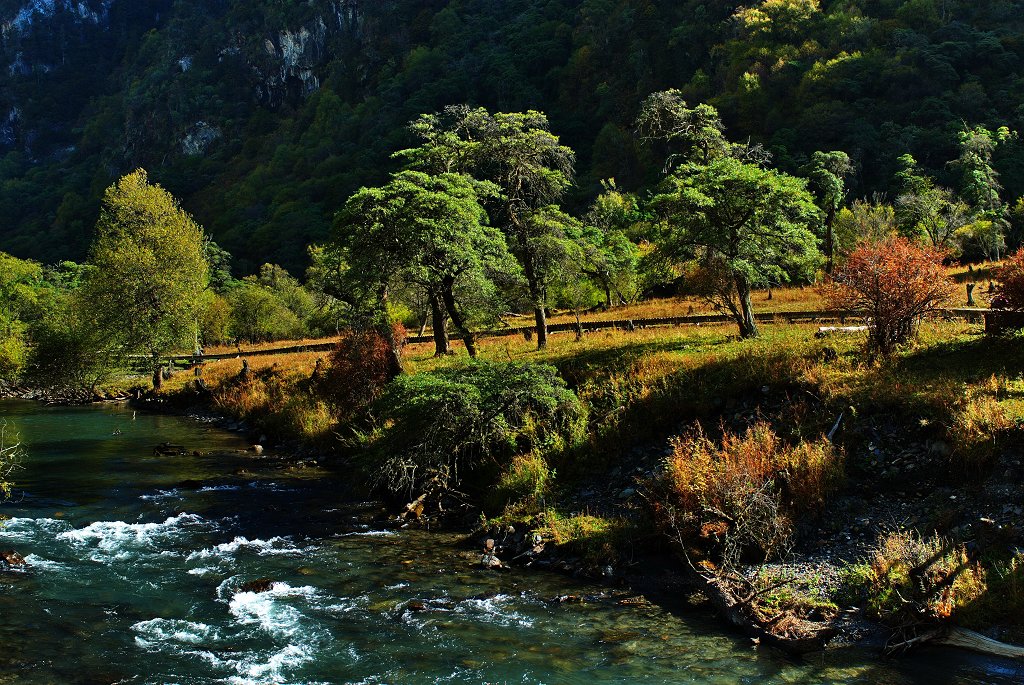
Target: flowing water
{"type": "Point", "coordinates": [137, 562]}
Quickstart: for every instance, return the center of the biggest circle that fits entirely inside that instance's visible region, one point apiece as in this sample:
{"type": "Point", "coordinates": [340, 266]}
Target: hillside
{"type": "Point", "coordinates": [264, 115]}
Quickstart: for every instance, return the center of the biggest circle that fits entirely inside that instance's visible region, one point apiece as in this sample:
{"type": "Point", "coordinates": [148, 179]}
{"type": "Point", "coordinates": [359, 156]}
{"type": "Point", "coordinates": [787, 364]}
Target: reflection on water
{"type": "Point", "coordinates": [138, 565]}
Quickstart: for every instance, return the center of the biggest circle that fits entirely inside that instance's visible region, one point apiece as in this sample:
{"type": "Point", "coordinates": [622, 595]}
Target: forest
{"type": "Point", "coordinates": [263, 144]}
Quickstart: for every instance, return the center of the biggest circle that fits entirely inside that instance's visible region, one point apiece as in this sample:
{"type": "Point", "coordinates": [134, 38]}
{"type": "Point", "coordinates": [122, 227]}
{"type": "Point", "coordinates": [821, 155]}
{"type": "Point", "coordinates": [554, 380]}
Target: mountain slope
{"type": "Point", "coordinates": [263, 115]}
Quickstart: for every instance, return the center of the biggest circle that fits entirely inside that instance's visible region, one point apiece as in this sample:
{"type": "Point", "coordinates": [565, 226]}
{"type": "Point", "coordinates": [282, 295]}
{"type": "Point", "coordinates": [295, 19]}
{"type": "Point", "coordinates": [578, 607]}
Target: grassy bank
{"type": "Point", "coordinates": [930, 446]}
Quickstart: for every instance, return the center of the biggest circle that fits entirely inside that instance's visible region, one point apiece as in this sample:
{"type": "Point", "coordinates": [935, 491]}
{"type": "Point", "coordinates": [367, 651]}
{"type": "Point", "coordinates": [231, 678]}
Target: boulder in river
{"type": "Point", "coordinates": [259, 585]}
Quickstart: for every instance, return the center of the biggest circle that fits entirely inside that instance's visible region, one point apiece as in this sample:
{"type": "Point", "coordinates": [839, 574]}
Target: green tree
{"type": "Point", "coordinates": [827, 173]}
{"type": "Point", "coordinates": [926, 211]}
{"type": "Point", "coordinates": [518, 153]}
{"type": "Point", "coordinates": [611, 259]}
{"type": "Point", "coordinates": [980, 181]}
{"type": "Point", "coordinates": [150, 271]}
{"type": "Point", "coordinates": [432, 231]}
{"type": "Point", "coordinates": [754, 226]}
{"type": "Point", "coordinates": [20, 285]}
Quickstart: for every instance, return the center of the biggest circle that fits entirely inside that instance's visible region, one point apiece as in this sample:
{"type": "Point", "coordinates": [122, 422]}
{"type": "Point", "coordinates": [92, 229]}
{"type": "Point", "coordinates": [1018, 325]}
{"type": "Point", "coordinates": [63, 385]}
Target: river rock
{"type": "Point", "coordinates": [257, 449]}
{"type": "Point", "coordinates": [490, 560]}
{"type": "Point", "coordinates": [11, 559]}
{"type": "Point", "coordinates": [259, 585]}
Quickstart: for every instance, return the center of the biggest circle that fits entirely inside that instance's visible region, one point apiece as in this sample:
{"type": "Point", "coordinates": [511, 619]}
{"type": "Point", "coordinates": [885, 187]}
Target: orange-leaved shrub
{"type": "Point", "coordinates": [359, 369]}
{"type": "Point", "coordinates": [893, 283]}
{"type": "Point", "coordinates": [731, 496]}
{"type": "Point", "coordinates": [1010, 289]}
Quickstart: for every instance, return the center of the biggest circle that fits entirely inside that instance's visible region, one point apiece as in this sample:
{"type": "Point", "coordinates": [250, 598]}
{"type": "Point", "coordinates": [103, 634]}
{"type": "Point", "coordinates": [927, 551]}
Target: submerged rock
{"type": "Point", "coordinates": [10, 559]}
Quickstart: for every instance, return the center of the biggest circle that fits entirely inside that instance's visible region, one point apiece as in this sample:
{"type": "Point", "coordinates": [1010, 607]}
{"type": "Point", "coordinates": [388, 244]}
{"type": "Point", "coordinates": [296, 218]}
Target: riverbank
{"type": "Point", "coordinates": [930, 445]}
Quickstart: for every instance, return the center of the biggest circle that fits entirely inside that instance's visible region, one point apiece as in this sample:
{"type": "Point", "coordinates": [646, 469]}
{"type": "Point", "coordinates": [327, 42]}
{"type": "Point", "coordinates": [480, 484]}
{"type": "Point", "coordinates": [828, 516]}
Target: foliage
{"type": "Point", "coordinates": [827, 173]}
{"type": "Point", "coordinates": [150, 270]}
{"type": "Point", "coordinates": [358, 370]}
{"type": "Point", "coordinates": [894, 283]}
{"type": "Point", "coordinates": [911, 580]}
{"type": "Point", "coordinates": [431, 231]}
{"type": "Point", "coordinates": [863, 222]}
{"type": "Point", "coordinates": [531, 169]}
{"type": "Point", "coordinates": [740, 494]}
{"type": "Point", "coordinates": [754, 225]}
{"type": "Point", "coordinates": [524, 484]}
{"type": "Point", "coordinates": [259, 314]}
{"type": "Point", "coordinates": [438, 429]}
{"type": "Point", "coordinates": [876, 79]}
{"type": "Point", "coordinates": [1009, 292]}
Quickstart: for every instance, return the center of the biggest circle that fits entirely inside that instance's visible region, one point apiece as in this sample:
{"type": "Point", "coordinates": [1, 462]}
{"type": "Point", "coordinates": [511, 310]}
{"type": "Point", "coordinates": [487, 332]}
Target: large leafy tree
{"type": "Point", "coordinates": [981, 185]}
{"type": "Point", "coordinates": [518, 153]}
{"type": "Point", "coordinates": [429, 230]}
{"type": "Point", "coordinates": [751, 226]}
{"type": "Point", "coordinates": [743, 224]}
{"type": "Point", "coordinates": [150, 270]}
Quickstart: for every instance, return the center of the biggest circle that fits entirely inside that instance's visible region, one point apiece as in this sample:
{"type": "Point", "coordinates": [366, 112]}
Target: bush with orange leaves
{"type": "Point", "coordinates": [739, 494]}
{"type": "Point", "coordinates": [893, 283]}
{"type": "Point", "coordinates": [359, 369]}
{"type": "Point", "coordinates": [1010, 291]}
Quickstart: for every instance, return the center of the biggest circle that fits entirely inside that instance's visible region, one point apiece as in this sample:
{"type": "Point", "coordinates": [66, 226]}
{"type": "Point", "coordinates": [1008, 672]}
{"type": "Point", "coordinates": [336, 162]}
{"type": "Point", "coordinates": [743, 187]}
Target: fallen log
{"type": "Point", "coordinates": [824, 331]}
{"type": "Point", "coordinates": [785, 632]}
{"type": "Point", "coordinates": [976, 642]}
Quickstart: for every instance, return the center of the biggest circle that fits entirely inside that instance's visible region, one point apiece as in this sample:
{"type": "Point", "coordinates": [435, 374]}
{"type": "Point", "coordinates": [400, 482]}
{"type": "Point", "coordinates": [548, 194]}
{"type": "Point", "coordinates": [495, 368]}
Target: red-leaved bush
{"type": "Point", "coordinates": [893, 283]}
{"type": "Point", "coordinates": [1010, 290]}
{"type": "Point", "coordinates": [361, 365]}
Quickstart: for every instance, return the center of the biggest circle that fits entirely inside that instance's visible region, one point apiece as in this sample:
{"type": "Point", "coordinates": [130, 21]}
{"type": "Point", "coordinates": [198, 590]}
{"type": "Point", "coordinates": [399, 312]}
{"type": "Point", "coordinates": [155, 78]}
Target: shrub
{"type": "Point", "coordinates": [1009, 292]}
{"type": "Point", "coordinates": [977, 421]}
{"type": "Point", "coordinates": [358, 371]}
{"type": "Point", "coordinates": [739, 494]}
{"type": "Point", "coordinates": [258, 314]}
{"type": "Point", "coordinates": [893, 283]}
{"type": "Point", "coordinates": [435, 428]}
{"type": "Point", "coordinates": [910, 581]}
{"type": "Point", "coordinates": [524, 483]}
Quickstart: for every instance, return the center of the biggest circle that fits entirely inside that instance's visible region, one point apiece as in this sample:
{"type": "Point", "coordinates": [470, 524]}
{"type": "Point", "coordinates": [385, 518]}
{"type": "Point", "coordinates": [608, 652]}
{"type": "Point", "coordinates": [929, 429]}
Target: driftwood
{"type": "Point", "coordinates": [976, 642]}
{"type": "Point", "coordinates": [824, 331]}
{"type": "Point", "coordinates": [783, 631]}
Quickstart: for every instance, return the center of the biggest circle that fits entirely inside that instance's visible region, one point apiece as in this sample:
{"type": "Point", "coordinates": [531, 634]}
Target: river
{"type": "Point", "coordinates": [136, 563]}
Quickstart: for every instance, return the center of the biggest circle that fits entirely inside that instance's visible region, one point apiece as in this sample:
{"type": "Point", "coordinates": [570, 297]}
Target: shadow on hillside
{"type": "Point", "coordinates": [965, 360]}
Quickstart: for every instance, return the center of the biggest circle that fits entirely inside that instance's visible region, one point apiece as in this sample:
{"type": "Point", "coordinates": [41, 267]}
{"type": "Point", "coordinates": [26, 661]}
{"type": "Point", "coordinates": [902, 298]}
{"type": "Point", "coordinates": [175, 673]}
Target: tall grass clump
{"type": "Point", "coordinates": [912, 583]}
{"type": "Point", "coordinates": [977, 422]}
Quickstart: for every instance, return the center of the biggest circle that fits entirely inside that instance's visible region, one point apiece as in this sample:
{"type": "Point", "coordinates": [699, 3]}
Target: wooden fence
{"type": "Point", "coordinates": [974, 315]}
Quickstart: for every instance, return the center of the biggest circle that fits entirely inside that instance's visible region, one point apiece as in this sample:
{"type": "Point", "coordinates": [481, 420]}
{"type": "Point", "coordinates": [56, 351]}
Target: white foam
{"type": "Point", "coordinates": [117, 540]}
{"type": "Point", "coordinates": [162, 495]}
{"type": "Point", "coordinates": [492, 610]}
{"type": "Point", "coordinates": [220, 488]}
{"type": "Point", "coordinates": [160, 630]}
{"type": "Point", "coordinates": [275, 546]}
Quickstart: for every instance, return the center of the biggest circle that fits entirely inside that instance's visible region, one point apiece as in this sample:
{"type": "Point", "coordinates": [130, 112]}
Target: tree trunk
{"type": "Point", "coordinates": [387, 331]}
{"type": "Point", "coordinates": [440, 326]}
{"type": "Point", "coordinates": [537, 294]}
{"type": "Point", "coordinates": [830, 240]}
{"type": "Point", "coordinates": [746, 320]}
{"type": "Point", "coordinates": [541, 316]}
{"type": "Point", "coordinates": [608, 295]}
{"type": "Point", "coordinates": [158, 372]}
{"type": "Point", "coordinates": [460, 322]}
